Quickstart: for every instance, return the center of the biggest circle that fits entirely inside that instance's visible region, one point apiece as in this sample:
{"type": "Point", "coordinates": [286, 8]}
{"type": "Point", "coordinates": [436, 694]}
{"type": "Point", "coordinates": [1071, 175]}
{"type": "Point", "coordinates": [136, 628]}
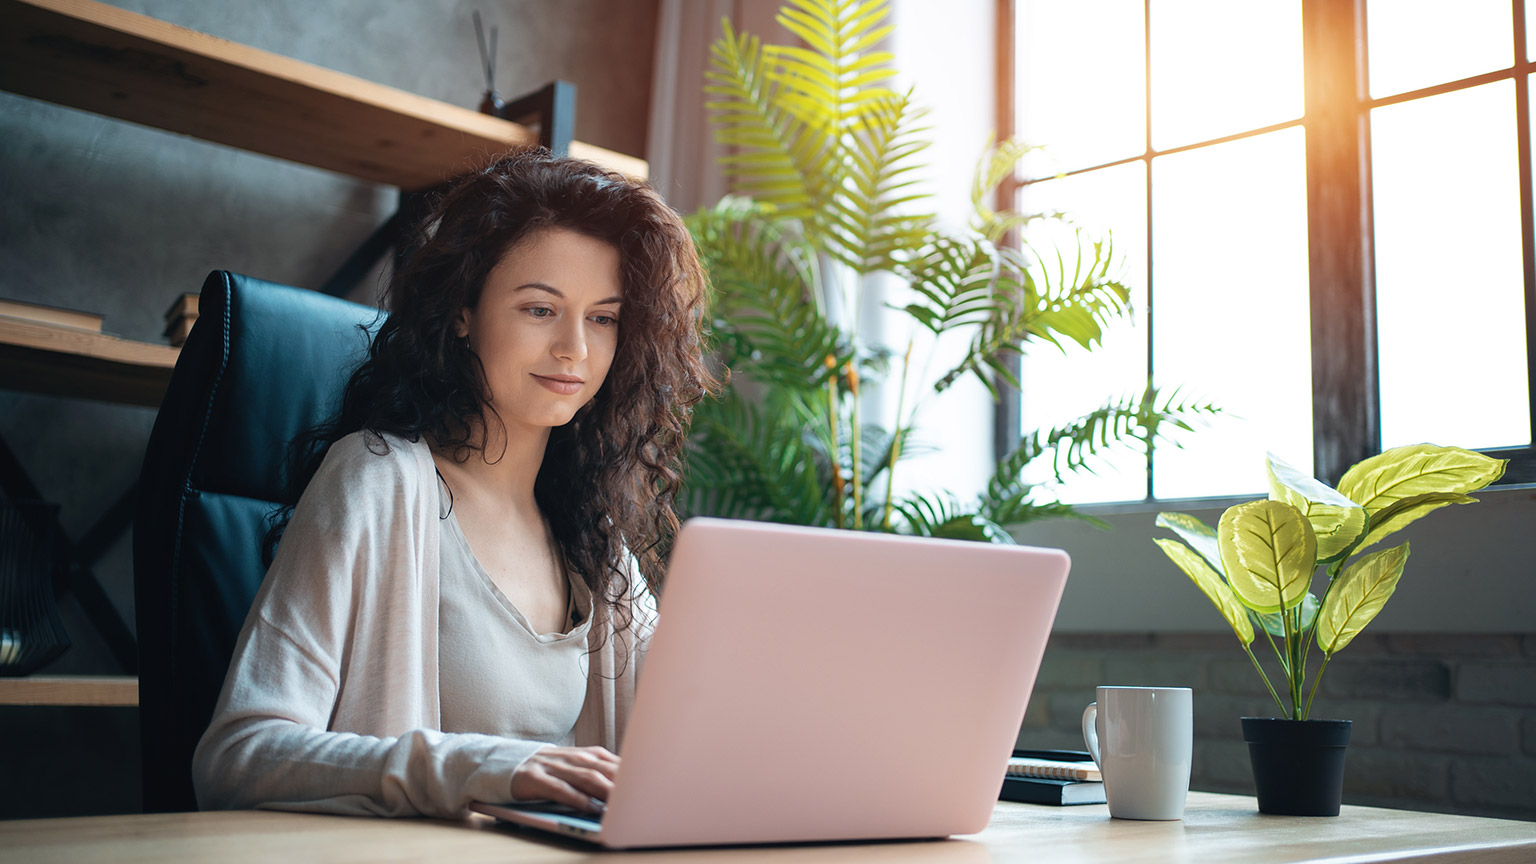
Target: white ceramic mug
{"type": "Point", "coordinates": [1142, 739]}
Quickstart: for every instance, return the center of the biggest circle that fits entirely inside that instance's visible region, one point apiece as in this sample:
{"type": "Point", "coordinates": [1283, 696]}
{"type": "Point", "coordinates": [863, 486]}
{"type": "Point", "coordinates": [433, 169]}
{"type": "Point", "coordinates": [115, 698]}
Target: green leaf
{"type": "Point", "coordinates": [1268, 552]}
{"type": "Point", "coordinates": [747, 115]}
{"type": "Point", "coordinates": [1421, 469]}
{"type": "Point", "coordinates": [1271, 623]}
{"type": "Point", "coordinates": [1336, 521]}
{"type": "Point", "coordinates": [761, 275]}
{"type": "Point", "coordinates": [1399, 513]}
{"type": "Point", "coordinates": [1210, 584]}
{"type": "Point", "coordinates": [943, 516]}
{"type": "Point", "coordinates": [747, 463]}
{"type": "Point", "coordinates": [1030, 299]}
{"type": "Point", "coordinates": [1131, 422]}
{"type": "Point", "coordinates": [972, 527]}
{"type": "Point", "coordinates": [1196, 533]}
{"type": "Point", "coordinates": [1357, 595]}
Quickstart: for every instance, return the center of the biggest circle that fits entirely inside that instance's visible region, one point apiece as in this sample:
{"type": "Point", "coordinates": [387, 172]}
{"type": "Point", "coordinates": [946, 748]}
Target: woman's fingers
{"type": "Point", "coordinates": [587, 781]}
{"type": "Point", "coordinates": [580, 777]}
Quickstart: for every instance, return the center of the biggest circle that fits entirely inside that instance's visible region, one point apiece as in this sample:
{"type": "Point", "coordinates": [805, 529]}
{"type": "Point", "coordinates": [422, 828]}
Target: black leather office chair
{"type": "Point", "coordinates": [263, 362]}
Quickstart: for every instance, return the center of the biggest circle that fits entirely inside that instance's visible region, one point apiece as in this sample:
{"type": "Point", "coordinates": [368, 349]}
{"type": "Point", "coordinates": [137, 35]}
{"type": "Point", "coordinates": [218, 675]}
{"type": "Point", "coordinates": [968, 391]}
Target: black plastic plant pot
{"type": "Point", "coordinates": [1298, 765]}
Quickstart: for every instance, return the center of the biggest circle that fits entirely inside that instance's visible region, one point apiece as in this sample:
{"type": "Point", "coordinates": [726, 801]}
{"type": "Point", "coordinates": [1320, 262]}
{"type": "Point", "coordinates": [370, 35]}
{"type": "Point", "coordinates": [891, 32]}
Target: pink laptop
{"type": "Point", "coordinates": [811, 685]}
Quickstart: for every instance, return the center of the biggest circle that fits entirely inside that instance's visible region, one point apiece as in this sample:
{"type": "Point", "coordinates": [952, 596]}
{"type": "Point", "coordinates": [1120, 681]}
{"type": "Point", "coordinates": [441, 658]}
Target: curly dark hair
{"type": "Point", "coordinates": [609, 476]}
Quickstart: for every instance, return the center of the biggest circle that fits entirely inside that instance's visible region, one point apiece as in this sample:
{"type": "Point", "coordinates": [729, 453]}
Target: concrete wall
{"type": "Point", "coordinates": [118, 219]}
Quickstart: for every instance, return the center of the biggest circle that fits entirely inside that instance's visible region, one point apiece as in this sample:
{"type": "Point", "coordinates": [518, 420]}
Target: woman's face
{"type": "Point", "coordinates": [546, 326]}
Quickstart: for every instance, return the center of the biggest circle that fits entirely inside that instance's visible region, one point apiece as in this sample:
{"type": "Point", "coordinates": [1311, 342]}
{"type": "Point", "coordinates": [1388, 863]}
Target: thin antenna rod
{"type": "Point", "coordinates": [487, 55]}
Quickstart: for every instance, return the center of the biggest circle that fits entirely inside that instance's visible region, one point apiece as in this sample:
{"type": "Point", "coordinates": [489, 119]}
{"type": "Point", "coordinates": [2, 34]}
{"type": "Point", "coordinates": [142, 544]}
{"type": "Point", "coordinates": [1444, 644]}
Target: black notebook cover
{"type": "Point", "coordinates": [1048, 790]}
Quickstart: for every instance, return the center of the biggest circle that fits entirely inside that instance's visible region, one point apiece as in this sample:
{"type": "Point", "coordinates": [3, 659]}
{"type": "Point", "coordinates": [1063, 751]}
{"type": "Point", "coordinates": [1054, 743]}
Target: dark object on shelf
{"type": "Point", "coordinates": [31, 634]}
{"type": "Point", "coordinates": [1058, 755]}
{"type": "Point", "coordinates": [1298, 765]}
{"type": "Point", "coordinates": [263, 363]}
{"type": "Point", "coordinates": [180, 318]}
{"type": "Point", "coordinates": [1049, 790]}
{"type": "Point", "coordinates": [555, 106]}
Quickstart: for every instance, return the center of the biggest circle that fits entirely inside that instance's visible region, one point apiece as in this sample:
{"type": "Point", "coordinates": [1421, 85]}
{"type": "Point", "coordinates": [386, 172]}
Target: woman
{"type": "Point", "coordinates": [458, 606]}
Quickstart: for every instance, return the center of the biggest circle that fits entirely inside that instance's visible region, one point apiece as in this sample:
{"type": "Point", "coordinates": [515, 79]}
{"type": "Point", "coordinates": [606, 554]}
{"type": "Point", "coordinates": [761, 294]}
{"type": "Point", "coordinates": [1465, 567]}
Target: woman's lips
{"type": "Point", "coordinates": [565, 385]}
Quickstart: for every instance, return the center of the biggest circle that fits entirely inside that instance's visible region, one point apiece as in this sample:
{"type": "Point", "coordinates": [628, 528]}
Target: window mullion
{"type": "Point", "coordinates": [1006, 420]}
{"type": "Point", "coordinates": [1146, 35]}
{"type": "Point", "coordinates": [1345, 395]}
{"type": "Point", "coordinates": [1522, 467]}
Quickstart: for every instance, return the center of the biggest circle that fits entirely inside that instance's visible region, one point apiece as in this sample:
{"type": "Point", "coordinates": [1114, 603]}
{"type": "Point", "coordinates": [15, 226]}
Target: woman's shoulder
{"type": "Point", "coordinates": [374, 459]}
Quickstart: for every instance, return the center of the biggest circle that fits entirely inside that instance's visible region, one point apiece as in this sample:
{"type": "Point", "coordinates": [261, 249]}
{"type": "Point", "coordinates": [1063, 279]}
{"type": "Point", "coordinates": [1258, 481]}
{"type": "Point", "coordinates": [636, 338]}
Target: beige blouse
{"type": "Point", "coordinates": [498, 676]}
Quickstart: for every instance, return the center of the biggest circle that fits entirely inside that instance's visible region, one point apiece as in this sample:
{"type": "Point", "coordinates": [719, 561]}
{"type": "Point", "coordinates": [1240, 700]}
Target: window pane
{"type": "Point", "coordinates": [1230, 309]}
{"type": "Point", "coordinates": [1449, 284]}
{"type": "Point", "coordinates": [1082, 90]}
{"type": "Point", "coordinates": [1060, 386]}
{"type": "Point", "coordinates": [1419, 43]}
{"type": "Point", "coordinates": [1220, 67]}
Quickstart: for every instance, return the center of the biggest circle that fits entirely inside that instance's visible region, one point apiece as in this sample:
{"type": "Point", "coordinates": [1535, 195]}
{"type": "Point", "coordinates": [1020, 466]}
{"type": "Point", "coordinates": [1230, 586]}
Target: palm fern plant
{"type": "Point", "coordinates": [824, 158]}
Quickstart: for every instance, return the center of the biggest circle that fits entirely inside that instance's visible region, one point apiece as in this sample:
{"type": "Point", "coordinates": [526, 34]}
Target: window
{"type": "Point", "coordinates": [1324, 208]}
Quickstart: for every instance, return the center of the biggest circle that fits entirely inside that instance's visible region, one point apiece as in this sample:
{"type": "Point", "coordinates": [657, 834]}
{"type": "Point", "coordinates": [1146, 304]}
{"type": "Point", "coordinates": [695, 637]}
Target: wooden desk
{"type": "Point", "coordinates": [1220, 829]}
{"type": "Point", "coordinates": [113, 691]}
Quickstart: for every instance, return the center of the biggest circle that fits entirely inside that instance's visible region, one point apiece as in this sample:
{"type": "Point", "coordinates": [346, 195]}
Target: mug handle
{"type": "Point", "coordinates": [1091, 732]}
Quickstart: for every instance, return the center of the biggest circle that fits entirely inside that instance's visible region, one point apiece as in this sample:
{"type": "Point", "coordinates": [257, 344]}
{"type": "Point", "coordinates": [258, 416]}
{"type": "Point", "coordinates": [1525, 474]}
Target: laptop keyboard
{"type": "Point", "coordinates": [565, 812]}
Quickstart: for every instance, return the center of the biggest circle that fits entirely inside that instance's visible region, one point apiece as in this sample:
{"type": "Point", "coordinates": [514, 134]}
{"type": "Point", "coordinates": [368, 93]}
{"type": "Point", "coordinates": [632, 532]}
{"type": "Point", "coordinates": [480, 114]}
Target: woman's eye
{"type": "Point", "coordinates": [604, 320]}
{"type": "Point", "coordinates": [540, 311]}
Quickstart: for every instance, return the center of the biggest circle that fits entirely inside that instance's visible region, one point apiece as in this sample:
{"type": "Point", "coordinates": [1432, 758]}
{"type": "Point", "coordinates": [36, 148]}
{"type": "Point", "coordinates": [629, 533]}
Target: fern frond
{"type": "Point", "coordinates": [1131, 422]}
{"type": "Point", "coordinates": [881, 156]}
{"type": "Point", "coordinates": [945, 518]}
{"type": "Point", "coordinates": [745, 463]}
{"type": "Point", "coordinates": [831, 82]}
{"type": "Point", "coordinates": [761, 277]}
{"type": "Point", "coordinates": [1044, 303]}
{"type": "Point", "coordinates": [955, 281]}
{"type": "Point", "coordinates": [999, 160]}
{"type": "Point", "coordinates": [773, 157]}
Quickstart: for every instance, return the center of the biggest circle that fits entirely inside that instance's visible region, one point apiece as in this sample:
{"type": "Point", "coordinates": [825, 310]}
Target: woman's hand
{"type": "Point", "coordinates": [579, 777]}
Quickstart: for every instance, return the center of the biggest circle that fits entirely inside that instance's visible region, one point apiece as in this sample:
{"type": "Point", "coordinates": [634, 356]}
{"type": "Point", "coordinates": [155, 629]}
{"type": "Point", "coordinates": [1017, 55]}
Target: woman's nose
{"type": "Point", "coordinates": [571, 341]}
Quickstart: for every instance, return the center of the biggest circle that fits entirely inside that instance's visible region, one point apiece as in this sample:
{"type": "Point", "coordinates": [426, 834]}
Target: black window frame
{"type": "Point", "coordinates": [1345, 386]}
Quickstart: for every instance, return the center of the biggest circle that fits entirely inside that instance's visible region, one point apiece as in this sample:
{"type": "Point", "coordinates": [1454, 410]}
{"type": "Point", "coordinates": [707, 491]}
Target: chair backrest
{"type": "Point", "coordinates": [262, 363]}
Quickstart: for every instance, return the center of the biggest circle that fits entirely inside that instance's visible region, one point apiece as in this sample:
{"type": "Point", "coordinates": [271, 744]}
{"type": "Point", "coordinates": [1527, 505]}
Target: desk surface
{"type": "Point", "coordinates": [1216, 828]}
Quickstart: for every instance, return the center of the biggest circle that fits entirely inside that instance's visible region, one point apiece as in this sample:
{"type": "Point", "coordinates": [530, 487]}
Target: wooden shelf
{"type": "Point", "coordinates": [115, 690]}
{"type": "Point", "coordinates": [64, 361]}
{"type": "Point", "coordinates": [107, 60]}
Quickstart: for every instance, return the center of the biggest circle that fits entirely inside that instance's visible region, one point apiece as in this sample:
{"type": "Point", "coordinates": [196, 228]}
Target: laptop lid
{"type": "Point", "coordinates": [805, 684]}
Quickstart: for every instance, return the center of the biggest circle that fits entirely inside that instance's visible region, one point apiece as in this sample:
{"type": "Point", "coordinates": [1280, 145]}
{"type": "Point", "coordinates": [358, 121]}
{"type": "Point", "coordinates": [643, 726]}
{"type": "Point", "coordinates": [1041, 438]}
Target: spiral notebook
{"type": "Point", "coordinates": [1029, 766]}
{"type": "Point", "coordinates": [1057, 777]}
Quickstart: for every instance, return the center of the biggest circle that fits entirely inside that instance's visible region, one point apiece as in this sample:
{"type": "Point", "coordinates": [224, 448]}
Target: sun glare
{"type": "Point", "coordinates": [1218, 262]}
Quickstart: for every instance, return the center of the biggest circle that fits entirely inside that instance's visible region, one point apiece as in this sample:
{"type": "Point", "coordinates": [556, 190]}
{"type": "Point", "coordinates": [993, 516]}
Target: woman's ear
{"type": "Point", "coordinates": [461, 323]}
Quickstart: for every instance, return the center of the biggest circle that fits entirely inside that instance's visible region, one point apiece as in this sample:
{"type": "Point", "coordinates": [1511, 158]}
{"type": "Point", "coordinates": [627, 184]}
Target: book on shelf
{"type": "Point", "coordinates": [54, 316]}
{"type": "Point", "coordinates": [180, 318]}
{"type": "Point", "coordinates": [1057, 777]}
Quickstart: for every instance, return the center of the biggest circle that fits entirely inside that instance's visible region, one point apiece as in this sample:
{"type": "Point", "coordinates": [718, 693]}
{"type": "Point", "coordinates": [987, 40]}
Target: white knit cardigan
{"type": "Point", "coordinates": [331, 703]}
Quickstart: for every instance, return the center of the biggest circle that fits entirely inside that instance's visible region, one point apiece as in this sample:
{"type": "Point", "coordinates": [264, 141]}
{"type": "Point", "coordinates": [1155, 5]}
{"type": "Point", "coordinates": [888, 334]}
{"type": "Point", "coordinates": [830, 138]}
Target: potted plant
{"type": "Point", "coordinates": [1258, 567]}
{"type": "Point", "coordinates": [822, 158]}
